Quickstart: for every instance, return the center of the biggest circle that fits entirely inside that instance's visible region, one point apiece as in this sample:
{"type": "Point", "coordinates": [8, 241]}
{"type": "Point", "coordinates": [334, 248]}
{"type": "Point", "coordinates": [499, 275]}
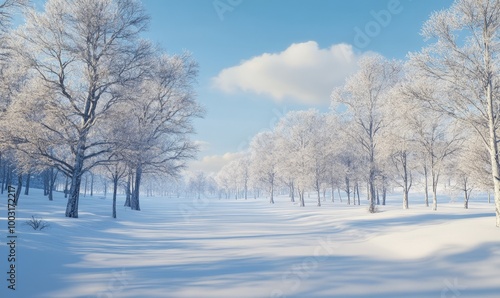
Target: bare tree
{"type": "Point", "coordinates": [116, 171]}
{"type": "Point", "coordinates": [244, 173]}
{"type": "Point", "coordinates": [158, 119]}
{"type": "Point", "coordinates": [82, 53]}
{"type": "Point", "coordinates": [6, 9]}
{"type": "Point", "coordinates": [223, 180]}
{"type": "Point", "coordinates": [346, 158]}
{"type": "Point", "coordinates": [463, 60]}
{"type": "Point", "coordinates": [303, 152]}
{"type": "Point", "coordinates": [264, 161]}
{"type": "Point", "coordinates": [463, 176]}
{"type": "Point", "coordinates": [364, 95]}
{"type": "Point", "coordinates": [198, 183]}
{"type": "Point", "coordinates": [402, 140]}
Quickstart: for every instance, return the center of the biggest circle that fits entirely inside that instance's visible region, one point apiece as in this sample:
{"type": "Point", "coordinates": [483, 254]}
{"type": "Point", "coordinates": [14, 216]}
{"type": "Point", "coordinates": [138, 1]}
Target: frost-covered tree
{"type": "Point", "coordinates": [435, 135]}
{"type": "Point", "coordinates": [158, 119]}
{"type": "Point", "coordinates": [198, 183]}
{"type": "Point", "coordinates": [463, 59]}
{"type": "Point", "coordinates": [302, 141]}
{"type": "Point", "coordinates": [88, 69]}
{"type": "Point", "coordinates": [235, 177]}
{"type": "Point", "coordinates": [461, 172]}
{"type": "Point", "coordinates": [116, 171]}
{"type": "Point", "coordinates": [6, 9]}
{"type": "Point", "coordinates": [264, 161]}
{"type": "Point", "coordinates": [400, 144]}
{"type": "Point", "coordinates": [82, 54]}
{"type": "Point", "coordinates": [363, 96]}
{"type": "Point", "coordinates": [350, 160]}
{"type": "Point", "coordinates": [475, 162]}
{"type": "Point", "coordinates": [243, 173]}
{"type": "Point", "coordinates": [332, 129]}
{"type": "Point", "coordinates": [223, 179]}
{"type": "Point", "coordinates": [11, 77]}
{"type": "Point", "coordinates": [439, 140]}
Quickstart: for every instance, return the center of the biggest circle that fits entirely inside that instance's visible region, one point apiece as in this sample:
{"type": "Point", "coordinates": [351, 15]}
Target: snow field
{"type": "Point", "coordinates": [228, 248]}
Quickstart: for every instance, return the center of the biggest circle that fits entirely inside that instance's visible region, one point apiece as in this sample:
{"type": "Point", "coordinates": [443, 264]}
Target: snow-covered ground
{"type": "Point", "coordinates": [228, 248]}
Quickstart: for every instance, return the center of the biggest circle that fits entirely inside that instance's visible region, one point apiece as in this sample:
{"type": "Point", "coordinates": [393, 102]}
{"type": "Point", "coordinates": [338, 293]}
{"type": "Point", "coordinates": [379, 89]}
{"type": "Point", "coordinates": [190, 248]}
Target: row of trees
{"type": "Point", "coordinates": [309, 151]}
{"type": "Point", "coordinates": [82, 91]}
{"type": "Point", "coordinates": [439, 111]}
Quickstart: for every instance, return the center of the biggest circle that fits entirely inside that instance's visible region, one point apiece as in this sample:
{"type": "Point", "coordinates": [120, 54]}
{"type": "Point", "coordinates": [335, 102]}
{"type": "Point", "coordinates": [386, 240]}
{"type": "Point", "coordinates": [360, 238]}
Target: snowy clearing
{"type": "Point", "coordinates": [229, 248]}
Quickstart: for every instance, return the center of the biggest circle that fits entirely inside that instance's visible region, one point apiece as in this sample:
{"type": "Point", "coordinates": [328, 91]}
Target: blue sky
{"type": "Point", "coordinates": [261, 58]}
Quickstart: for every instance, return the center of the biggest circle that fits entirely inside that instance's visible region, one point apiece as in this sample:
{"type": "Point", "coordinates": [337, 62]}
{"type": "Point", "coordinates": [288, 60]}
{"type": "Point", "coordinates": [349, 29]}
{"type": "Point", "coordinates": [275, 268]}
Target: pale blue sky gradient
{"type": "Point", "coordinates": [254, 27]}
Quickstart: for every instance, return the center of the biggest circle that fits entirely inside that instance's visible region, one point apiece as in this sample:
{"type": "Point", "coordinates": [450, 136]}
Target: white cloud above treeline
{"type": "Point", "coordinates": [213, 163]}
{"type": "Point", "coordinates": [303, 73]}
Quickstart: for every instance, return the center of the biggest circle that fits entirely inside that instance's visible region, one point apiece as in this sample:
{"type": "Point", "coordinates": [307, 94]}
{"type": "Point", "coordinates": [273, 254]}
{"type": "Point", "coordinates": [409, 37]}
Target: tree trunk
{"type": "Point", "coordinates": [384, 193]}
{"type": "Point", "coordinates": [105, 188]}
{"type": "Point", "coordinates": [348, 190]}
{"type": "Point", "coordinates": [407, 177]}
{"type": "Point", "coordinates": [115, 188]}
{"type": "Point", "coordinates": [91, 184]}
{"type": "Point", "coordinates": [8, 180]}
{"type": "Point", "coordinates": [66, 187]}
{"type": "Point", "coordinates": [27, 188]}
{"type": "Point", "coordinates": [18, 190]}
{"type": "Point", "coordinates": [435, 179]}
{"type": "Point", "coordinates": [340, 196]}
{"type": "Point", "coordinates": [426, 186]}
{"type": "Point", "coordinates": [85, 187]}
{"type": "Point", "coordinates": [302, 199]}
{"type": "Point", "coordinates": [495, 162]}
{"type": "Point", "coordinates": [354, 195]}
{"type": "Point", "coordinates": [333, 191]}
{"type": "Point", "coordinates": [292, 192]}
{"type": "Point", "coordinates": [4, 175]}
{"type": "Point", "coordinates": [466, 200]}
{"type": "Point", "coordinates": [10, 175]}
{"type": "Point", "coordinates": [128, 193]}
{"type": "Point", "coordinates": [134, 202]}
{"type": "Point", "coordinates": [74, 196]}
{"type": "Point", "coordinates": [318, 191]}
{"type": "Point", "coordinates": [246, 189]}
{"type": "Point", "coordinates": [52, 182]}
{"type": "Point", "coordinates": [434, 200]}
{"type": "Point", "coordinates": [405, 199]}
{"type": "Point", "coordinates": [76, 180]}
{"type": "Point", "coordinates": [406, 184]}
{"type": "Point", "coordinates": [357, 190]}
{"type": "Point", "coordinates": [46, 183]}
{"type": "Point", "coordinates": [372, 187]}
{"type": "Point", "coordinates": [271, 200]}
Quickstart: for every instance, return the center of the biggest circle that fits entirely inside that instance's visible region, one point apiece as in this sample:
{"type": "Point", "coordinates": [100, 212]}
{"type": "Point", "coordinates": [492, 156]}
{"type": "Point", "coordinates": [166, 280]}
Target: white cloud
{"type": "Point", "coordinates": [202, 145]}
{"type": "Point", "coordinates": [303, 73]}
{"type": "Point", "coordinates": [213, 163]}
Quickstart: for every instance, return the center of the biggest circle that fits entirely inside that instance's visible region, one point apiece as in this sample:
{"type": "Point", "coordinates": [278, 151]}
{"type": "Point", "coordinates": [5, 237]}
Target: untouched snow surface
{"type": "Point", "coordinates": [228, 248]}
